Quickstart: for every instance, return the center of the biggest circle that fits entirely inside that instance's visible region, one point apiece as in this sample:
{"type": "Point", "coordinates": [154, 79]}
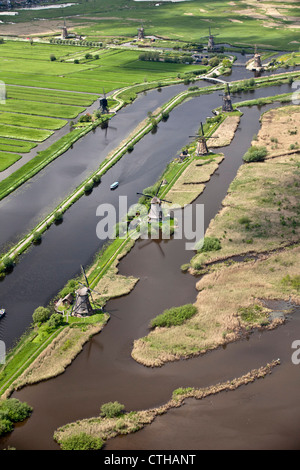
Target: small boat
{"type": "Point", "coordinates": [114, 185]}
{"type": "Point", "coordinates": [2, 312]}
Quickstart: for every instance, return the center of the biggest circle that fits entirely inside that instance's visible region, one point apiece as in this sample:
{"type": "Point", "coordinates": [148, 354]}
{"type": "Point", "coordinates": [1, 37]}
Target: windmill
{"type": "Point", "coordinates": [155, 213]}
{"type": "Point", "coordinates": [82, 306]}
{"type": "Point", "coordinates": [141, 33]}
{"type": "Point", "coordinates": [104, 104]}
{"type": "Point", "coordinates": [202, 148]}
{"type": "Point", "coordinates": [211, 41]}
{"type": "Point", "coordinates": [227, 104]}
{"type": "Point", "coordinates": [257, 59]}
{"type": "Point", "coordinates": [64, 33]}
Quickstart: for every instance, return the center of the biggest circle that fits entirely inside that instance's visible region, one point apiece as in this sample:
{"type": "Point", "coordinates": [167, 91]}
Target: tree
{"type": "Point", "coordinates": [15, 410]}
{"type": "Point", "coordinates": [52, 57]}
{"type": "Point", "coordinates": [255, 154]}
{"type": "Point", "coordinates": [111, 409]}
{"type": "Point", "coordinates": [41, 315]}
{"type": "Point", "coordinates": [55, 321]}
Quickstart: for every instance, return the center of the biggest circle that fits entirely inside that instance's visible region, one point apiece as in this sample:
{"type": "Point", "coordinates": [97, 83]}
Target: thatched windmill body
{"type": "Point", "coordinates": [202, 148]}
{"type": "Point", "coordinates": [227, 104]}
{"type": "Point", "coordinates": [155, 213]}
{"type": "Point", "coordinates": [211, 41]}
{"type": "Point", "coordinates": [82, 306]}
{"type": "Point", "coordinates": [257, 59]}
{"type": "Point", "coordinates": [64, 32]}
{"type": "Point", "coordinates": [141, 33]}
{"type": "Point", "coordinates": [104, 104]}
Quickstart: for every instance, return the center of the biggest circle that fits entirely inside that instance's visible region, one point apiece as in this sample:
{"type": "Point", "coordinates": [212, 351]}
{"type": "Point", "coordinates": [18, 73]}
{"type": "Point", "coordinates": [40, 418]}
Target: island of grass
{"type": "Point", "coordinates": [113, 420]}
{"type": "Point", "coordinates": [260, 219]}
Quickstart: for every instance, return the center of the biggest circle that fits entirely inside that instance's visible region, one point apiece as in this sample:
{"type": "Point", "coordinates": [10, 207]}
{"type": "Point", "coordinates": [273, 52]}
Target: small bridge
{"type": "Point", "coordinates": [214, 80]}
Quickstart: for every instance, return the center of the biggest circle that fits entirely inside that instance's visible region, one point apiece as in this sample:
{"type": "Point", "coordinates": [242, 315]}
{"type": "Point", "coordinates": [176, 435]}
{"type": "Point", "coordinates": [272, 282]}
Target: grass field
{"type": "Point", "coordinates": [8, 159]}
{"type": "Point", "coordinates": [236, 22]}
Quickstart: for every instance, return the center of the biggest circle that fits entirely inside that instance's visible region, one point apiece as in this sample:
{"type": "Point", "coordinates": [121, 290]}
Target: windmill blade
{"type": "Point", "coordinates": [146, 195]}
{"type": "Point", "coordinates": [164, 200]}
{"type": "Point", "coordinates": [202, 129]}
{"type": "Point", "coordinates": [86, 280]}
{"type": "Point", "coordinates": [159, 188]}
{"type": "Point", "coordinates": [85, 277]}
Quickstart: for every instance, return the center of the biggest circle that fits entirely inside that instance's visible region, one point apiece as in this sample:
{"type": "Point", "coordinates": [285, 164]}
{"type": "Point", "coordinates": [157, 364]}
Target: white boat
{"type": "Point", "coordinates": [2, 312]}
{"type": "Point", "coordinates": [114, 185]}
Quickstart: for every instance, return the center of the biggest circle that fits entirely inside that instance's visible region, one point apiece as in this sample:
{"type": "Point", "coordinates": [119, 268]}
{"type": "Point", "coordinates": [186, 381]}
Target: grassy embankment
{"type": "Point", "coordinates": [107, 428]}
{"type": "Point", "coordinates": [259, 220]}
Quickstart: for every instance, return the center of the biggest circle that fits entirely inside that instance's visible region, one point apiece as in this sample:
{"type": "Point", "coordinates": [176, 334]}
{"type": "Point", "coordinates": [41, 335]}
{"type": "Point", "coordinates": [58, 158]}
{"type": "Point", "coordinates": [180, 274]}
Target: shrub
{"type": "Point", "coordinates": [82, 441]}
{"type": "Point", "coordinates": [41, 314]}
{"type": "Point", "coordinates": [55, 321]}
{"type": "Point", "coordinates": [210, 244]}
{"type": "Point", "coordinates": [255, 154]}
{"type": "Point", "coordinates": [15, 410]}
{"type": "Point", "coordinates": [88, 187]}
{"type": "Point", "coordinates": [68, 289]}
{"type": "Point", "coordinates": [111, 409]}
{"type": "Point", "coordinates": [96, 179]}
{"type": "Point", "coordinates": [174, 316]}
{"type": "Point", "coordinates": [52, 57]}
{"type": "Point", "coordinates": [6, 426]}
{"type": "Point", "coordinates": [7, 263]}
{"type": "Point", "coordinates": [37, 237]}
{"type": "Point", "coordinates": [58, 216]}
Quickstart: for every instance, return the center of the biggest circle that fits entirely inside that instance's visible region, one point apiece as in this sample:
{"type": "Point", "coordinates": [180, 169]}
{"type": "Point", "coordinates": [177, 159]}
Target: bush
{"type": "Point", "coordinates": [255, 154]}
{"type": "Point", "coordinates": [15, 410]}
{"type": "Point", "coordinates": [58, 216]}
{"type": "Point", "coordinates": [41, 314]}
{"type": "Point", "coordinates": [111, 409]}
{"type": "Point", "coordinates": [82, 441]}
{"type": "Point", "coordinates": [37, 237]}
{"type": "Point", "coordinates": [6, 426]}
{"type": "Point", "coordinates": [174, 316]}
{"type": "Point", "coordinates": [210, 244]}
{"type": "Point", "coordinates": [55, 321]}
{"type": "Point", "coordinates": [97, 179]}
{"type": "Point", "coordinates": [52, 57]}
{"type": "Point", "coordinates": [8, 263]}
{"type": "Point", "coordinates": [68, 289]}
{"type": "Point", "coordinates": [88, 187]}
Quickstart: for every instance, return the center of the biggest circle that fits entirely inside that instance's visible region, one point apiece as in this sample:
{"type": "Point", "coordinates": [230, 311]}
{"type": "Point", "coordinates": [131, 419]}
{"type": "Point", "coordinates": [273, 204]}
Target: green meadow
{"type": "Point", "coordinates": [8, 159]}
{"type": "Point", "coordinates": [235, 22]}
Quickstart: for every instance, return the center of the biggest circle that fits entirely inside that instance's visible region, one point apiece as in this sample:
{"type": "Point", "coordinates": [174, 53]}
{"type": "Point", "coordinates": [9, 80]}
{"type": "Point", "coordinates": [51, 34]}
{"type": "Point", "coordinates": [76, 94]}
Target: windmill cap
{"type": "Point", "coordinates": [82, 291]}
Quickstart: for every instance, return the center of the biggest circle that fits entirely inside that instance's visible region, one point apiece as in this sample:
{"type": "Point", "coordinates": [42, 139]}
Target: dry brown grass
{"type": "Point", "coordinates": [58, 355]}
{"type": "Point", "coordinates": [267, 194]}
{"type": "Point", "coordinates": [105, 428]}
{"type": "Point", "coordinates": [218, 321]}
{"type": "Point", "coordinates": [279, 130]}
{"type": "Point", "coordinates": [191, 183]}
{"type": "Point", "coordinates": [225, 132]}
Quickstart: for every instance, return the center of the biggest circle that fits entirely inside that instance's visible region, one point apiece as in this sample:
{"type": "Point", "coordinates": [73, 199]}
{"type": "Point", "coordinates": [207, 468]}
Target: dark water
{"type": "Point", "coordinates": [260, 415]}
{"type": "Point", "coordinates": [104, 371]}
{"type": "Point", "coordinates": [44, 269]}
